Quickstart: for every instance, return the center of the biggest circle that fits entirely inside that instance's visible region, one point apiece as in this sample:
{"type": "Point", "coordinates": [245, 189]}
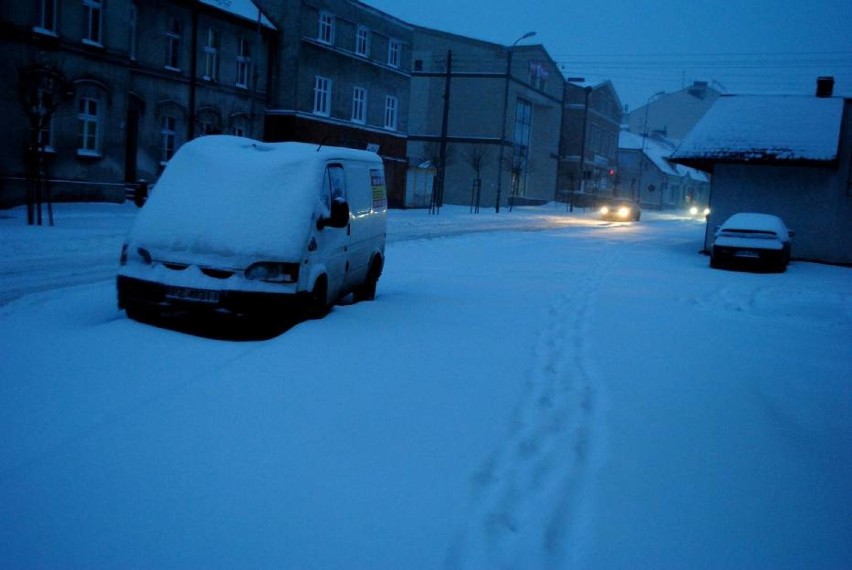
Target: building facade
{"type": "Point", "coordinates": [101, 94]}
{"type": "Point", "coordinates": [790, 156]}
{"type": "Point", "coordinates": [588, 162]}
{"type": "Point", "coordinates": [673, 114]}
{"type": "Point", "coordinates": [342, 77]}
{"type": "Point", "coordinates": [501, 133]}
{"type": "Point", "coordinates": [646, 175]}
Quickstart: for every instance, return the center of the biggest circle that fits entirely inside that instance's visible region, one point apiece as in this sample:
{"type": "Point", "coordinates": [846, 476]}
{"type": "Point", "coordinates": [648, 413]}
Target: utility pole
{"type": "Point", "coordinates": [438, 192]}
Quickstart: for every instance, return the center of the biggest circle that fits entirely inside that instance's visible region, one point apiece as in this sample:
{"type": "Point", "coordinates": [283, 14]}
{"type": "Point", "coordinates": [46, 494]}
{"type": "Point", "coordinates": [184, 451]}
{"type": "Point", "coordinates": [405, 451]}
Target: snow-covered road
{"type": "Point", "coordinates": [586, 395]}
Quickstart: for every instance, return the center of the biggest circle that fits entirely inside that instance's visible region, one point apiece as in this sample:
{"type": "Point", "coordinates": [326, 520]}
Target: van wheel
{"type": "Point", "coordinates": [316, 304]}
{"type": "Point", "coordinates": [367, 290]}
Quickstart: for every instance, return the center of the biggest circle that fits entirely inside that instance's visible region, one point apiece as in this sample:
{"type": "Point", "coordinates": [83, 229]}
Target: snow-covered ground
{"type": "Point", "coordinates": [584, 395]}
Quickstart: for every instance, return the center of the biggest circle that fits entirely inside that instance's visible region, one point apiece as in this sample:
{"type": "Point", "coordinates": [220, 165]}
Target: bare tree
{"type": "Point", "coordinates": [478, 157]}
{"type": "Point", "coordinates": [42, 88]}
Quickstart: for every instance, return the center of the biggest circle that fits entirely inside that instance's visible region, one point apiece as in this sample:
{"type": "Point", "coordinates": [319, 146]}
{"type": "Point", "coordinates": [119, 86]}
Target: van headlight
{"type": "Point", "coordinates": [605, 210]}
{"type": "Point", "coordinates": [623, 211]}
{"type": "Point", "coordinates": [273, 272]}
{"type": "Point", "coordinates": [135, 255]}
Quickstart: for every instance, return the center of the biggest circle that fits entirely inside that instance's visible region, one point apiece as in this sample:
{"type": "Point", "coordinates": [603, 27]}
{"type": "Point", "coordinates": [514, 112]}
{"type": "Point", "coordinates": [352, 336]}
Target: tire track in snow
{"type": "Point", "coordinates": [531, 499]}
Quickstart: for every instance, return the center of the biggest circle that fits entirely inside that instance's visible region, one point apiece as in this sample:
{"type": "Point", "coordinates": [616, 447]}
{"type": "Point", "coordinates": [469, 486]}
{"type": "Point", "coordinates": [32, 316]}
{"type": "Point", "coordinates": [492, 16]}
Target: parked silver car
{"type": "Point", "coordinates": [748, 238]}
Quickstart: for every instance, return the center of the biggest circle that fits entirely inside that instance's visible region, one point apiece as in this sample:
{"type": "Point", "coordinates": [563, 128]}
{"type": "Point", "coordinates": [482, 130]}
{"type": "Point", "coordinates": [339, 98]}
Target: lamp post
{"type": "Point", "coordinates": [503, 120]}
{"type": "Point", "coordinates": [645, 138]}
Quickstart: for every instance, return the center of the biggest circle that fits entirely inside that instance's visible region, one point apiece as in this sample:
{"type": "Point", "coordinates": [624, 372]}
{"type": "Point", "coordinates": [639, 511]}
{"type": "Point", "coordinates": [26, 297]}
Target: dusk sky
{"type": "Point", "coordinates": [755, 46]}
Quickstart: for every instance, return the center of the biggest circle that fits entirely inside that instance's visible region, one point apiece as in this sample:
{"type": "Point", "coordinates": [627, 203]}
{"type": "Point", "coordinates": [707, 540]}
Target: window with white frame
{"type": "Point", "coordinates": [243, 63]}
{"type": "Point", "coordinates": [362, 41]}
{"type": "Point", "coordinates": [46, 16]}
{"type": "Point", "coordinates": [394, 52]}
{"type": "Point", "coordinates": [173, 41]}
{"type": "Point", "coordinates": [391, 112]}
{"type": "Point", "coordinates": [168, 137]}
{"type": "Point", "coordinates": [322, 96]}
{"type": "Point", "coordinates": [133, 30]}
{"type": "Point", "coordinates": [359, 105]}
{"type": "Point", "coordinates": [325, 33]}
{"type": "Point", "coordinates": [88, 120]}
{"type": "Point", "coordinates": [94, 19]}
{"type": "Point", "coordinates": [211, 55]}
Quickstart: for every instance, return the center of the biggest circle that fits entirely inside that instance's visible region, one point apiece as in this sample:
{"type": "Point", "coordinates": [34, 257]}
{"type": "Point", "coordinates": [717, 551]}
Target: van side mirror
{"type": "Point", "coordinates": [792, 233]}
{"type": "Point", "coordinates": [339, 217]}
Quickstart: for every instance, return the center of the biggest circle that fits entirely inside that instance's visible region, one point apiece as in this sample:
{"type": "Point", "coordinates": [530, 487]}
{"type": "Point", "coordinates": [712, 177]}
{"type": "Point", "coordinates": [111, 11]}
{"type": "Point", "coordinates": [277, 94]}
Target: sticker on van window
{"type": "Point", "coordinates": [380, 197]}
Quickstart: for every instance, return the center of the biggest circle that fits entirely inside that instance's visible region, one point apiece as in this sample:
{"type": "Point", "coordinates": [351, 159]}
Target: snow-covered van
{"type": "Point", "coordinates": [248, 228]}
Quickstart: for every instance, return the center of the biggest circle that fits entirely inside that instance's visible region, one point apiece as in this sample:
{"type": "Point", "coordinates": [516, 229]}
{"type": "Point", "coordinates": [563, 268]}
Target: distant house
{"type": "Point", "coordinates": [342, 77]}
{"type": "Point", "coordinates": [98, 95]}
{"type": "Point", "coordinates": [785, 155]}
{"type": "Point", "coordinates": [591, 121]}
{"type": "Point", "coordinates": [503, 117]}
{"type": "Point", "coordinates": [646, 174]}
{"type": "Point", "coordinates": [673, 114]}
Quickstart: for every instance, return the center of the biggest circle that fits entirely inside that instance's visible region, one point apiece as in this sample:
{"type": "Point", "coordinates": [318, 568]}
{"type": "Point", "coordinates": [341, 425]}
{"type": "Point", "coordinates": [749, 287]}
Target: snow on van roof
{"type": "Point", "coordinates": [233, 197]}
{"type": "Point", "coordinates": [745, 128]}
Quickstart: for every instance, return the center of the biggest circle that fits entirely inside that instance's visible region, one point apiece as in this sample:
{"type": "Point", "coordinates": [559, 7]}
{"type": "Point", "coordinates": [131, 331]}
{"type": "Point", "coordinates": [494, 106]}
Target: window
{"type": "Point", "coordinates": [46, 16]}
{"type": "Point", "coordinates": [334, 184]}
{"type": "Point", "coordinates": [326, 28]}
{"type": "Point", "coordinates": [359, 105]}
{"type": "Point", "coordinates": [538, 75]}
{"type": "Point", "coordinates": [168, 136]}
{"type": "Point", "coordinates": [88, 116]}
{"type": "Point", "coordinates": [322, 96]}
{"type": "Point", "coordinates": [362, 41]}
{"type": "Point", "coordinates": [211, 55]}
{"type": "Point", "coordinates": [391, 112]}
{"type": "Point", "coordinates": [133, 31]}
{"type": "Point", "coordinates": [243, 63]}
{"type": "Point", "coordinates": [94, 15]}
{"type": "Point", "coordinates": [521, 146]}
{"type": "Point", "coordinates": [394, 53]}
{"type": "Point", "coordinates": [173, 37]}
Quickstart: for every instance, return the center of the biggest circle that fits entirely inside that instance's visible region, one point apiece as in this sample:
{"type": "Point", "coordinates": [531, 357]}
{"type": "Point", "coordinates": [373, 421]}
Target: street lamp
{"type": "Point", "coordinates": [505, 109]}
{"type": "Point", "coordinates": [645, 138]}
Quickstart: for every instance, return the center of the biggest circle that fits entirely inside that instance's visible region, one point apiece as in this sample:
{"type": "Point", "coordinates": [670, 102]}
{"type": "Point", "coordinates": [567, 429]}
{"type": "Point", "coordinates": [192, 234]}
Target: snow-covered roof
{"type": "Point", "coordinates": [245, 9]}
{"type": "Point", "coordinates": [658, 151]}
{"type": "Point", "coordinates": [765, 128]}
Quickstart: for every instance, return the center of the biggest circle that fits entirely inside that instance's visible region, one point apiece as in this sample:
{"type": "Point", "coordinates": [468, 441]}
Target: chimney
{"type": "Point", "coordinates": [825, 86]}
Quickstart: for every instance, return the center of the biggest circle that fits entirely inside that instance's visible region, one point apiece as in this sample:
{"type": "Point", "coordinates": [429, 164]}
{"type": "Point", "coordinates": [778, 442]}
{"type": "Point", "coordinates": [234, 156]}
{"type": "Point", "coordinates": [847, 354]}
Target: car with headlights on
{"type": "Point", "coordinates": [753, 239]}
{"type": "Point", "coordinates": [620, 210]}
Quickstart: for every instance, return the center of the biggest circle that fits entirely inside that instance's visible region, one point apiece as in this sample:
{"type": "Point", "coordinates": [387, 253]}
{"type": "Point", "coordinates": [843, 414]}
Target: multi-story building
{"type": "Point", "coordinates": [502, 127]}
{"type": "Point", "coordinates": [101, 94]}
{"type": "Point", "coordinates": [342, 78]}
{"type": "Point", "coordinates": [673, 114]}
{"type": "Point", "coordinates": [589, 155]}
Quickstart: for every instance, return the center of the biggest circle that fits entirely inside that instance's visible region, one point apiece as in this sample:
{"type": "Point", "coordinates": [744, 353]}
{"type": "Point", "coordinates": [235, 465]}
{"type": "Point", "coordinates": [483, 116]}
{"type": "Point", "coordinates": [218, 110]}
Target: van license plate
{"type": "Point", "coordinates": [749, 253]}
{"type": "Point", "coordinates": [189, 294]}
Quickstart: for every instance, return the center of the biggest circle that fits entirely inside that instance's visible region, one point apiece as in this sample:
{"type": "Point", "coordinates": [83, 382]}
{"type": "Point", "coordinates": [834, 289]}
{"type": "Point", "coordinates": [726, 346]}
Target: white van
{"type": "Point", "coordinates": [249, 228]}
